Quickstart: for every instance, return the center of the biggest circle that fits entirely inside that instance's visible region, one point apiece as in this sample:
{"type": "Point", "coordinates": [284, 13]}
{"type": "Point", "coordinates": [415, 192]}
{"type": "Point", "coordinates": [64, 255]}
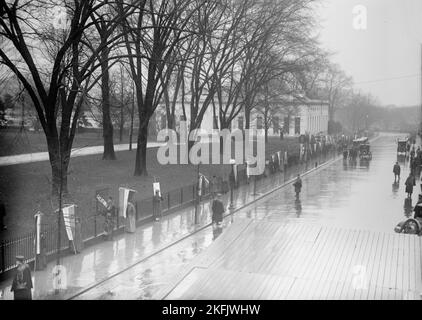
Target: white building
{"type": "Point", "coordinates": [304, 116]}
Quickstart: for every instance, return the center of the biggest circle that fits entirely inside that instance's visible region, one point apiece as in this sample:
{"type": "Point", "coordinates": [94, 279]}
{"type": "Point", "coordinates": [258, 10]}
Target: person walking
{"type": "Point", "coordinates": [298, 185]}
{"type": "Point", "coordinates": [22, 281]}
{"type": "Point", "coordinates": [410, 183]}
{"type": "Point", "coordinates": [217, 209]}
{"type": "Point", "coordinates": [396, 171]}
{"type": "Point", "coordinates": [156, 206]}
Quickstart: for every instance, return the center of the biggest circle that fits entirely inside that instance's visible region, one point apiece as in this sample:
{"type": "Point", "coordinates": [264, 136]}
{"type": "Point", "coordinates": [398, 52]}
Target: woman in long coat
{"type": "Point", "coordinates": [22, 282]}
{"type": "Point", "coordinates": [130, 217]}
{"type": "Point", "coordinates": [410, 183]}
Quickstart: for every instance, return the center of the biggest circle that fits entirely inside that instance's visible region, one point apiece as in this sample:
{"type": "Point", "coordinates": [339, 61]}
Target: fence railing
{"type": "Point", "coordinates": [93, 226]}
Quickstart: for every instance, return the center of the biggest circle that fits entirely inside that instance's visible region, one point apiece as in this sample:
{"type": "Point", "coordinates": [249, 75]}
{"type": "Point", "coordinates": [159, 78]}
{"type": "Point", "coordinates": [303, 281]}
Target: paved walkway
{"type": "Point", "coordinates": [97, 263]}
{"type": "Point", "coordinates": [76, 152]}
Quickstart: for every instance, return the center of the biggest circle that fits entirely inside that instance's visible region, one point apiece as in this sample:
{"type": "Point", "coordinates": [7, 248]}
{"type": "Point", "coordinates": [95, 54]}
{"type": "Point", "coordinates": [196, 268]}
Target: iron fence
{"type": "Point", "coordinates": [93, 226]}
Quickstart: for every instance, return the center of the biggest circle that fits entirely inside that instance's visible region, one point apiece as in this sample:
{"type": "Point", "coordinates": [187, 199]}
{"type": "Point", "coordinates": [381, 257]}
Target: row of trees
{"type": "Point", "coordinates": [226, 55]}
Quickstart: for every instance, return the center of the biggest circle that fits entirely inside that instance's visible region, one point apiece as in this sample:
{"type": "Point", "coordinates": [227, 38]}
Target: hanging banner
{"type": "Point", "coordinates": [301, 151]}
{"type": "Point", "coordinates": [156, 187]}
{"type": "Point", "coordinates": [123, 199]}
{"type": "Point", "coordinates": [285, 158]}
{"type": "Point", "coordinates": [69, 220]}
{"type": "Point", "coordinates": [101, 200]}
{"type": "Point", "coordinates": [279, 158]}
{"type": "Point", "coordinates": [38, 219]}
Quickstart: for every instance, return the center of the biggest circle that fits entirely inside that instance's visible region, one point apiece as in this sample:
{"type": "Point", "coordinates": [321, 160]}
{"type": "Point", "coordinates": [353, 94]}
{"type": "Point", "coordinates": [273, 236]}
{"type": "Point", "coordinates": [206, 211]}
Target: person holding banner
{"type": "Point", "coordinates": [109, 219]}
{"type": "Point", "coordinates": [78, 240]}
{"type": "Point", "coordinates": [130, 215]}
{"type": "Point", "coordinates": [156, 205]}
{"type": "Point", "coordinates": [40, 243]}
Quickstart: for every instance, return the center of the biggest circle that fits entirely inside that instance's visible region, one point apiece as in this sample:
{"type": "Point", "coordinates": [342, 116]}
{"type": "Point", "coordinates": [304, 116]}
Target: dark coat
{"type": "Point", "coordinates": [22, 283]}
{"type": "Point", "coordinates": [298, 185]}
{"type": "Point", "coordinates": [217, 210]}
{"type": "Point", "coordinates": [396, 169]}
{"type": "Point", "coordinates": [410, 183]}
{"type": "Point", "coordinates": [418, 210]}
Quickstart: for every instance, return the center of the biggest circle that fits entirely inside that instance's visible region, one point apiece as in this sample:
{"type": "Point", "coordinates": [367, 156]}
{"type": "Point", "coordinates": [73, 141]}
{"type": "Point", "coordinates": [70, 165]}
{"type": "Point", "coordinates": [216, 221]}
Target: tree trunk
{"type": "Point", "coordinates": [108, 153]}
{"type": "Point", "coordinates": [59, 166]}
{"type": "Point", "coordinates": [247, 118]}
{"type": "Point", "coordinates": [141, 151]}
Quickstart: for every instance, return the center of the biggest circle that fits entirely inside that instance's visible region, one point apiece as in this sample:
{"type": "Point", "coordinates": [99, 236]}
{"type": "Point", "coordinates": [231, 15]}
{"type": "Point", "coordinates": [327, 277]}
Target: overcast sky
{"type": "Point", "coordinates": [389, 48]}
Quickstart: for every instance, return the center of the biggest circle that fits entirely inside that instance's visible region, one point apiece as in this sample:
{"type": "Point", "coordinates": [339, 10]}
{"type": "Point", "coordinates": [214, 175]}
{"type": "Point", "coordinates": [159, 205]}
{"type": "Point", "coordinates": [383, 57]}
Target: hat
{"type": "Point", "coordinates": [20, 258]}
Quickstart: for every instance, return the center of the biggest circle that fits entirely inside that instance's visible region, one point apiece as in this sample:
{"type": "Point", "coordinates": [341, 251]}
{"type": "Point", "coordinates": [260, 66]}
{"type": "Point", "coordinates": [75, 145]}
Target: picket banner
{"type": "Point", "coordinates": [69, 220]}
{"type": "Point", "coordinates": [156, 187]}
{"type": "Point", "coordinates": [38, 219]}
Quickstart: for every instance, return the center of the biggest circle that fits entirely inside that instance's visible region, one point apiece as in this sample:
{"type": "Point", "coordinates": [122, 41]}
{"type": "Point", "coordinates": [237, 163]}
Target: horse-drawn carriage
{"type": "Point", "coordinates": [402, 147]}
{"type": "Point", "coordinates": [363, 148]}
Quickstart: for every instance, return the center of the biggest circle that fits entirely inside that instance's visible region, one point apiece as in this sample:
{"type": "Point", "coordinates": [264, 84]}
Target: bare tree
{"type": "Point", "coordinates": [152, 34]}
{"type": "Point", "coordinates": [53, 66]}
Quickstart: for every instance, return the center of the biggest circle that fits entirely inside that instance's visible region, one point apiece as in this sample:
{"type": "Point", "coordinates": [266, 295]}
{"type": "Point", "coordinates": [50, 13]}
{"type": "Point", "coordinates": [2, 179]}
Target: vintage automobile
{"type": "Point", "coordinates": [365, 151]}
{"type": "Point", "coordinates": [402, 147]}
{"type": "Point", "coordinates": [360, 141]}
{"type": "Point", "coordinates": [410, 226]}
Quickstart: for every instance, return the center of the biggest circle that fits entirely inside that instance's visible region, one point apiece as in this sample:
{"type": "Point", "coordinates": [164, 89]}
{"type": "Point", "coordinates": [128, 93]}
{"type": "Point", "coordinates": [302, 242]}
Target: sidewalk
{"type": "Point", "coordinates": [76, 152]}
{"type": "Point", "coordinates": [98, 262]}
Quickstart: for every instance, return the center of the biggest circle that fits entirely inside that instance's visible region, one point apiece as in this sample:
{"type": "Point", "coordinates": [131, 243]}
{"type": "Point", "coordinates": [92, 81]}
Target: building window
{"type": "Point", "coordinates": [297, 125]}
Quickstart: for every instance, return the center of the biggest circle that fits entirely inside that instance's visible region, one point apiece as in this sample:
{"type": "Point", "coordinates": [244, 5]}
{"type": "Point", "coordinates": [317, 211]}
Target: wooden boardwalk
{"type": "Point", "coordinates": [273, 260]}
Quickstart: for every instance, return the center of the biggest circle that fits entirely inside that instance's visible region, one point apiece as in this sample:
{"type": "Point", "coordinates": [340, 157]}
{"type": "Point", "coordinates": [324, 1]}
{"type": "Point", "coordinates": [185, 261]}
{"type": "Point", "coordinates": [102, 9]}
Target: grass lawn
{"type": "Point", "coordinates": [27, 186]}
{"type": "Point", "coordinates": [14, 142]}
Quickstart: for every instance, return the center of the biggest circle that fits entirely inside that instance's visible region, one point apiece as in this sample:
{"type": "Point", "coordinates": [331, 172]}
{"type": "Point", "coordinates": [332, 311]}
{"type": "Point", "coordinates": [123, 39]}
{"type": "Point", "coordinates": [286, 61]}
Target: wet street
{"type": "Point", "coordinates": [354, 196]}
{"type": "Point", "coordinates": [342, 195]}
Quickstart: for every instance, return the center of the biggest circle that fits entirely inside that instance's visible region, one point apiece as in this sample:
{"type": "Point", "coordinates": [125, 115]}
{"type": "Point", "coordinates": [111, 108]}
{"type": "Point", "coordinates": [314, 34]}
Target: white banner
{"type": "Point", "coordinates": [123, 198]}
{"type": "Point", "coordinates": [155, 187]}
{"type": "Point", "coordinates": [101, 200]}
{"type": "Point", "coordinates": [279, 158]}
{"type": "Point", "coordinates": [69, 220]}
{"type": "Point", "coordinates": [38, 232]}
{"type": "Point", "coordinates": [285, 158]}
{"type": "Point", "coordinates": [247, 170]}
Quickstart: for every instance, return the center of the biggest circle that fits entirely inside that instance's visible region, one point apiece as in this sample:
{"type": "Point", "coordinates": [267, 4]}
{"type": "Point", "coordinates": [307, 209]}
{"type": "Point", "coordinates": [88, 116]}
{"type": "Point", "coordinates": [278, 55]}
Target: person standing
{"type": "Point", "coordinates": [217, 209]}
{"type": "Point", "coordinates": [2, 216]}
{"type": "Point", "coordinates": [41, 258]}
{"type": "Point", "coordinates": [130, 216]}
{"type": "Point", "coordinates": [396, 171]}
{"type": "Point", "coordinates": [109, 219]}
{"type": "Point", "coordinates": [156, 206]}
{"type": "Point", "coordinates": [298, 185]}
{"type": "Point", "coordinates": [410, 183]}
{"type": "Point", "coordinates": [22, 281]}
{"type": "Point", "coordinates": [79, 243]}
